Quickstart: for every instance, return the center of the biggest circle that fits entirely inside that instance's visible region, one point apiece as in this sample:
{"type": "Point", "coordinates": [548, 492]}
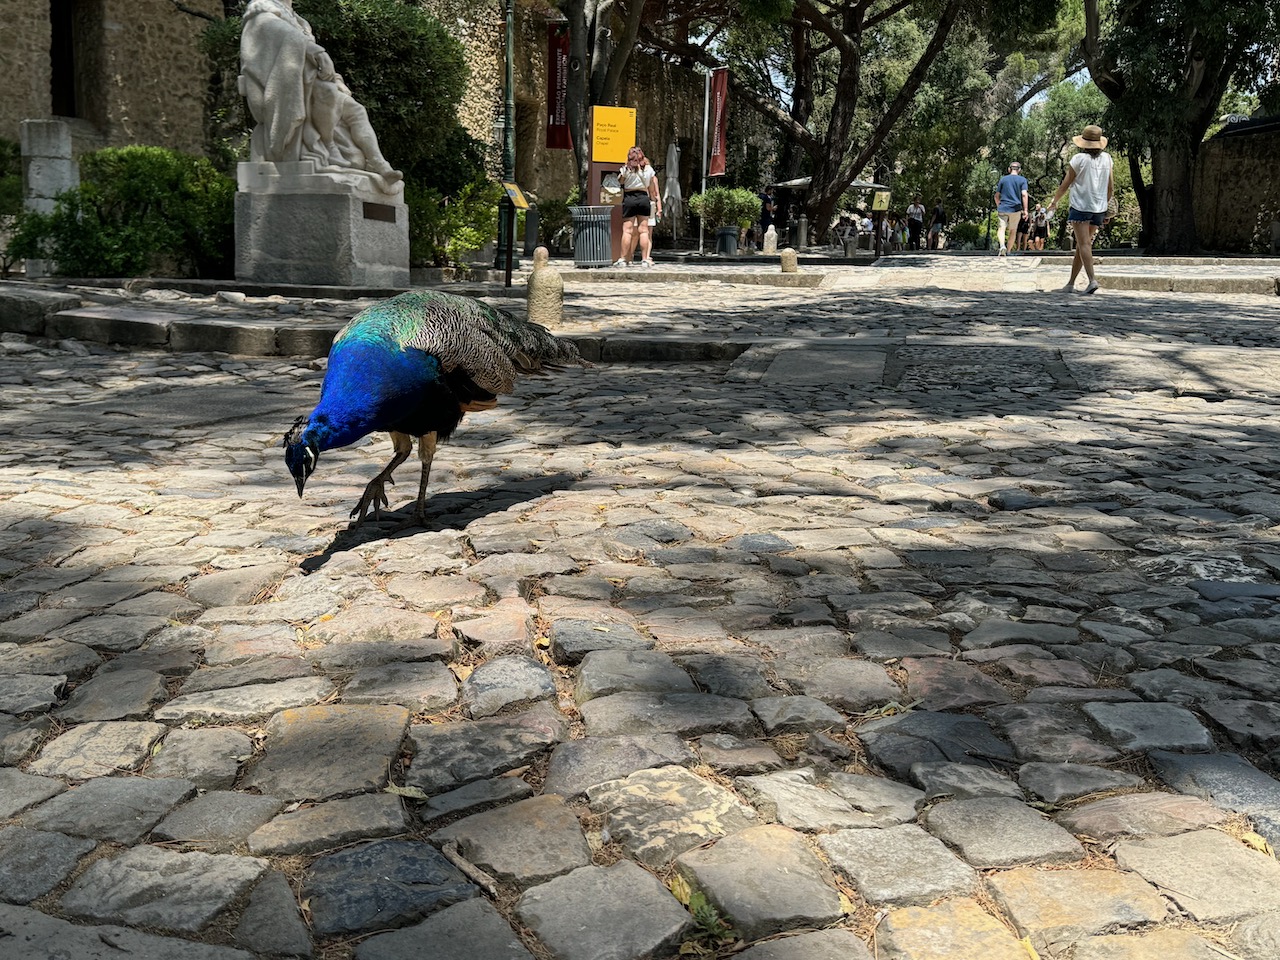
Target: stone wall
{"type": "Point", "coordinates": [140, 77]}
{"type": "Point", "coordinates": [24, 60]}
{"type": "Point", "coordinates": [1237, 188]}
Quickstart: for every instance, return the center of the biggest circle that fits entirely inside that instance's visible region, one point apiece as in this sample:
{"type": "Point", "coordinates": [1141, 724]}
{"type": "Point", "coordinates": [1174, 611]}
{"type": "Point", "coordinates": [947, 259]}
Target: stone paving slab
{"type": "Point", "coordinates": [35, 936]}
{"type": "Point", "coordinates": [601, 913]}
{"type": "Point", "coordinates": [315, 753]}
{"type": "Point", "coordinates": [119, 810]}
{"type": "Point", "coordinates": [1208, 874]}
{"type": "Point", "coordinates": [160, 889]}
{"type": "Point", "coordinates": [1056, 908]}
{"type": "Point", "coordinates": [1001, 832]}
{"type": "Point", "coordinates": [764, 880]}
{"type": "Point", "coordinates": [902, 866]}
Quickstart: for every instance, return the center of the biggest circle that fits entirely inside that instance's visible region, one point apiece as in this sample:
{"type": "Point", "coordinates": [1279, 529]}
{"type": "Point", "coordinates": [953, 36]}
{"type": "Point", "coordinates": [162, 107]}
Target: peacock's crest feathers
{"type": "Point", "coordinates": [489, 344]}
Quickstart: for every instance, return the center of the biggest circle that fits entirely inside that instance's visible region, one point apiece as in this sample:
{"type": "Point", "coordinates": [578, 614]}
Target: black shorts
{"type": "Point", "coordinates": [1042, 233]}
{"type": "Point", "coordinates": [635, 203]}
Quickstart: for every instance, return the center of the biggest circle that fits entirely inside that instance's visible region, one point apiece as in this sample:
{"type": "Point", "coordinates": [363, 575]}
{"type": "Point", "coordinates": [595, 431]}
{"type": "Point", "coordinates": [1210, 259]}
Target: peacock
{"type": "Point", "coordinates": [413, 365]}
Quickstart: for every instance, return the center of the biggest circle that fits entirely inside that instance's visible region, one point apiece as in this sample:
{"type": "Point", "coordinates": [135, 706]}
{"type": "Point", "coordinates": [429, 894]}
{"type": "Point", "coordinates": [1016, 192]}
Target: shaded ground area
{"type": "Point", "coordinates": [937, 620]}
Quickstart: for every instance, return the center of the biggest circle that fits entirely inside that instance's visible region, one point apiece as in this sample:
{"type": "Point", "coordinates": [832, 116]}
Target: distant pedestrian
{"type": "Point", "coordinates": [1023, 236]}
{"type": "Point", "coordinates": [1010, 199]}
{"type": "Point", "coordinates": [640, 201]}
{"type": "Point", "coordinates": [936, 223]}
{"type": "Point", "coordinates": [767, 210]}
{"type": "Point", "coordinates": [1039, 227]}
{"type": "Point", "coordinates": [915, 222]}
{"type": "Point", "coordinates": [1091, 188]}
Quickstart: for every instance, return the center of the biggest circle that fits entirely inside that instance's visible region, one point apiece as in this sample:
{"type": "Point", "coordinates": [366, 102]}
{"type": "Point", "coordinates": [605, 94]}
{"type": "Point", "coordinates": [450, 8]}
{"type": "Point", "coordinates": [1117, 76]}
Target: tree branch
{"type": "Point", "coordinates": [762, 105]}
{"type": "Point", "coordinates": [908, 92]}
{"type": "Point", "coordinates": [886, 13]}
{"type": "Point", "coordinates": [811, 15]}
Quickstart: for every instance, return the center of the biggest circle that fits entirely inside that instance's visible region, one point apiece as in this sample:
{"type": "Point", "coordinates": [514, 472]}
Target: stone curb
{"type": "Point", "coordinates": [31, 310]}
{"type": "Point", "coordinates": [656, 275]}
{"type": "Point", "coordinates": [1263, 286]}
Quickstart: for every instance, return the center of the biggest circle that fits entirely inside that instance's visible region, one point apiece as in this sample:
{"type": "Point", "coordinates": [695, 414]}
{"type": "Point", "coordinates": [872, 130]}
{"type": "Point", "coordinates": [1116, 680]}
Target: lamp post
{"type": "Point", "coordinates": [505, 259]}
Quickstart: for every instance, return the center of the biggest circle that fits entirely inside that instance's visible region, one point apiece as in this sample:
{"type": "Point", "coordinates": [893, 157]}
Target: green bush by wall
{"type": "Point", "coordinates": [139, 211]}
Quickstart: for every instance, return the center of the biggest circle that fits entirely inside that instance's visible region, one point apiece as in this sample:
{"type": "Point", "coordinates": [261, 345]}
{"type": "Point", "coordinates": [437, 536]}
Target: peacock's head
{"type": "Point", "coordinates": [300, 453]}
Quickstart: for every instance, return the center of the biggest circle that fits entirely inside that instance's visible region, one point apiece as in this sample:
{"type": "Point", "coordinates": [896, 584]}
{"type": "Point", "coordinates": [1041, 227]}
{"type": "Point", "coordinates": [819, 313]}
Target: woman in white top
{"type": "Point", "coordinates": [1091, 185]}
{"type": "Point", "coordinates": [640, 200]}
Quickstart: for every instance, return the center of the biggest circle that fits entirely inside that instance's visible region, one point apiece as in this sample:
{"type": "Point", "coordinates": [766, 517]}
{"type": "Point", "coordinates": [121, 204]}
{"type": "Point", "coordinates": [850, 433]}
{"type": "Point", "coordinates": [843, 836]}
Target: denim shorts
{"type": "Point", "coordinates": [1079, 216]}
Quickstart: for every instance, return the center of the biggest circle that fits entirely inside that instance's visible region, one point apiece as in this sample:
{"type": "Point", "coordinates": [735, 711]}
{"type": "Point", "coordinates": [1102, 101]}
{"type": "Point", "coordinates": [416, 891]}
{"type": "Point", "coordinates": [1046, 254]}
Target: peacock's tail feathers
{"type": "Point", "coordinates": [492, 346]}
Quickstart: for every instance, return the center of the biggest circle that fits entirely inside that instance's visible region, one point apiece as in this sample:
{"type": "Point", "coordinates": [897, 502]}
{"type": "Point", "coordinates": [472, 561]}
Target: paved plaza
{"type": "Point", "coordinates": [924, 612]}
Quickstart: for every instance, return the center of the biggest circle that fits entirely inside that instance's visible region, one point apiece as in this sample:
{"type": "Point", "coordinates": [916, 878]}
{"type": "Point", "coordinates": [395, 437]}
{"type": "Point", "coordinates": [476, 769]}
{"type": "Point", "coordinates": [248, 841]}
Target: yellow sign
{"type": "Point", "coordinates": [515, 195]}
{"type": "Point", "coordinates": [880, 201]}
{"type": "Point", "coordinates": [613, 133]}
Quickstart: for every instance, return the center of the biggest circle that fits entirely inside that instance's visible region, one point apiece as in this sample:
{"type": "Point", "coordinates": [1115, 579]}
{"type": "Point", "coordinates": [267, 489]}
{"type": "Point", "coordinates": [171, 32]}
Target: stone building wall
{"type": "Point", "coordinates": [668, 100]}
{"type": "Point", "coordinates": [1237, 188]}
{"type": "Point", "coordinates": [24, 62]}
{"type": "Point", "coordinates": [140, 78]}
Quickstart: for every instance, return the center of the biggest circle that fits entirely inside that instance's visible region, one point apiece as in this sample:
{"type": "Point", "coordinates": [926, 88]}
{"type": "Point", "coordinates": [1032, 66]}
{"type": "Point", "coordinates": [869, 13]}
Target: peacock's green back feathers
{"type": "Point", "coordinates": [490, 345]}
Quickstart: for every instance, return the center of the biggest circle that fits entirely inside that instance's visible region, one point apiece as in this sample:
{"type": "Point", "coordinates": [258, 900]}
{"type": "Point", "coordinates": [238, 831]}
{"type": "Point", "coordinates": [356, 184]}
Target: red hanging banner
{"type": "Point", "coordinates": [719, 121]}
{"type": "Point", "coordinates": [558, 137]}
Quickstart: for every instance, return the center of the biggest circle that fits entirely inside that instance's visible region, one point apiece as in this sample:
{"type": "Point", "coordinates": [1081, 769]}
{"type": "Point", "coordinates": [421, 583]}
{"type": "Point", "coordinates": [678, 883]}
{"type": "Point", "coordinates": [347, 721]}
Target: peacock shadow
{"type": "Point", "coordinates": [445, 511]}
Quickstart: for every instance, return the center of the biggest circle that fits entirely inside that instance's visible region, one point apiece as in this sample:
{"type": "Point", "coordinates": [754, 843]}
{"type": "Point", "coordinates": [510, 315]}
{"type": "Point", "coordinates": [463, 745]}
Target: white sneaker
{"type": "Point", "coordinates": [1069, 288]}
{"type": "Point", "coordinates": [621, 264]}
{"type": "Point", "coordinates": [1092, 287]}
{"type": "Point", "coordinates": [1003, 252]}
{"type": "Point", "coordinates": [647, 264]}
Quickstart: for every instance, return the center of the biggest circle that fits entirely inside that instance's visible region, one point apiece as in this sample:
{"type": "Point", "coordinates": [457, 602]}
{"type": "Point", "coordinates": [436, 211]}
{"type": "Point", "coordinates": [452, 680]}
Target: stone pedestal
{"type": "Point", "coordinates": [297, 224]}
{"type": "Point", "coordinates": [50, 167]}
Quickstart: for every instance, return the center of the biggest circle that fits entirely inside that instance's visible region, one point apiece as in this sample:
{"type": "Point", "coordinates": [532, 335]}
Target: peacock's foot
{"type": "Point", "coordinates": [375, 497]}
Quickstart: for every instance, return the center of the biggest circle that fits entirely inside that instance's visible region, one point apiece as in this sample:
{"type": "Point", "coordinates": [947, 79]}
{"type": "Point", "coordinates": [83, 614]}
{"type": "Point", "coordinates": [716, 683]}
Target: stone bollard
{"type": "Point", "coordinates": [546, 291]}
{"type": "Point", "coordinates": [771, 241]}
{"type": "Point", "coordinates": [789, 262]}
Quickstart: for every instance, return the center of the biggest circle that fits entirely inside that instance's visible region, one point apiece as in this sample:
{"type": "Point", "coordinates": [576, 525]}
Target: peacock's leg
{"type": "Point", "coordinates": [375, 494]}
{"type": "Point", "coordinates": [426, 453]}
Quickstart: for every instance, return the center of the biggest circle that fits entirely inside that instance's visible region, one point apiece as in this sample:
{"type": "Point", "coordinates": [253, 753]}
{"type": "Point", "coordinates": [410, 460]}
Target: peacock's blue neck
{"type": "Point", "coordinates": [370, 385]}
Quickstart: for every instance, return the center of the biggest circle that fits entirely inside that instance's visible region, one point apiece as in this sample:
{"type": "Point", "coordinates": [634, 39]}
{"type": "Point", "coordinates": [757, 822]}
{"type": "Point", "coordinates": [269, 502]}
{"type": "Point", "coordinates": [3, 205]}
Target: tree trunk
{"type": "Point", "coordinates": [576, 99]}
{"type": "Point", "coordinates": [1174, 229]}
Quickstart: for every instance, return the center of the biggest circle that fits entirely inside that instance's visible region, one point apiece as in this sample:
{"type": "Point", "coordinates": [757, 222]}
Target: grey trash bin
{"type": "Point", "coordinates": [592, 241]}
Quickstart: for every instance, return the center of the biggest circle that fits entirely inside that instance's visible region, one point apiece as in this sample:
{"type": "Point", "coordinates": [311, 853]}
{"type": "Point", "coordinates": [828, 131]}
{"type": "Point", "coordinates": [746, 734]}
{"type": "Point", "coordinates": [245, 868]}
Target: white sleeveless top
{"type": "Point", "coordinates": [1089, 189]}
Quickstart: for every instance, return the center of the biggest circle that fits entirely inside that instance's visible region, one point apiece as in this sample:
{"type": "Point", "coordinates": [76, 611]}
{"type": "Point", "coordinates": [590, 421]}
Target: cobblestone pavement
{"type": "Point", "coordinates": [935, 621]}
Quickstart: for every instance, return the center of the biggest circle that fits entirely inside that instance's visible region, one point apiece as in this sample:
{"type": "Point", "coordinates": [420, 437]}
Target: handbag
{"type": "Point", "coordinates": [610, 190]}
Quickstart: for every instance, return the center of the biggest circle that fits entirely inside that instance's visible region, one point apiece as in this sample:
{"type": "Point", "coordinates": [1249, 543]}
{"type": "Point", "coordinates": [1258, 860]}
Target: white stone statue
{"type": "Point", "coordinates": [303, 109]}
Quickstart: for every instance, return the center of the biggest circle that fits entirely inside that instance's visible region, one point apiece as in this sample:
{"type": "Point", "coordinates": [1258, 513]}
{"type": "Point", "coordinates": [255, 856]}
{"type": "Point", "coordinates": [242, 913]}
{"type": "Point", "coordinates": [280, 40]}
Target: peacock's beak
{"type": "Point", "coordinates": [301, 482]}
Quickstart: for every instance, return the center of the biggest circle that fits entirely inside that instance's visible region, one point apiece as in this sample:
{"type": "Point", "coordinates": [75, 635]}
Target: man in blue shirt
{"type": "Point", "coordinates": [1010, 199]}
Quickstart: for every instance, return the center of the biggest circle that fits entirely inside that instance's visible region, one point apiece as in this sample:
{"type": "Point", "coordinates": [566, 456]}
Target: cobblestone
{"type": "Point", "coordinates": [927, 522]}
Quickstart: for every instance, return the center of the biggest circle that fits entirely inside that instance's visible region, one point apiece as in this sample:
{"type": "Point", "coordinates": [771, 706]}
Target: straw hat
{"type": "Point", "coordinates": [1090, 138]}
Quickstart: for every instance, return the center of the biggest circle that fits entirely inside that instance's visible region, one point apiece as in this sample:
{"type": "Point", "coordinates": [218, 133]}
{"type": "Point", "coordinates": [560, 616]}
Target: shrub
{"type": "Point", "coordinates": [137, 211]}
{"type": "Point", "coordinates": [725, 207]}
{"type": "Point", "coordinates": [958, 234]}
{"type": "Point", "coordinates": [444, 230]}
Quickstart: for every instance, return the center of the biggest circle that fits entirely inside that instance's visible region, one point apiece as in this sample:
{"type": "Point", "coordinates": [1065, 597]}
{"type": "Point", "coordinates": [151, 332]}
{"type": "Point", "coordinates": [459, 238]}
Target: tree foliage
{"type": "Point", "coordinates": [1165, 66]}
{"type": "Point", "coordinates": [837, 78]}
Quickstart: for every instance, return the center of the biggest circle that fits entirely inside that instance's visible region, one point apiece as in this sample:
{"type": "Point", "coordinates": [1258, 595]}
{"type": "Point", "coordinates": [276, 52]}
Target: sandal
{"type": "Point", "coordinates": [647, 264]}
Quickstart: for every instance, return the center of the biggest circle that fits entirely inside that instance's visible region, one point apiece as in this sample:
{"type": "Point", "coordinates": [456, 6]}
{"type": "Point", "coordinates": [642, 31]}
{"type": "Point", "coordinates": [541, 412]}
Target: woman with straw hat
{"type": "Point", "coordinates": [1091, 187]}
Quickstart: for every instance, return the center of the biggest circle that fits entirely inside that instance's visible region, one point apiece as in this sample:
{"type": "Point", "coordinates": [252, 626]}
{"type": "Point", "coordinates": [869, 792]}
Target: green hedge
{"type": "Point", "coordinates": [138, 211]}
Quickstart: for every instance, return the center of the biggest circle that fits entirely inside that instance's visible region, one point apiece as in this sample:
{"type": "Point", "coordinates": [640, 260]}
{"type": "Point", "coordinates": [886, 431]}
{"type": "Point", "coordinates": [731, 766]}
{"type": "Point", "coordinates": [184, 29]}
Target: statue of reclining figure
{"type": "Point", "coordinates": [303, 109]}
